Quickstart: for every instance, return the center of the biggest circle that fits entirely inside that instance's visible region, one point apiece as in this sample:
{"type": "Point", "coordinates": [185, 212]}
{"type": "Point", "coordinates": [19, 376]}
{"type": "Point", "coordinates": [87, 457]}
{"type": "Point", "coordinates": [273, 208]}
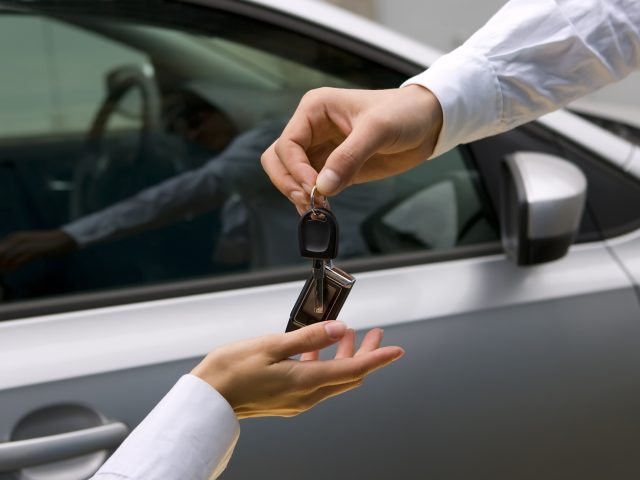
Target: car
{"type": "Point", "coordinates": [138, 232]}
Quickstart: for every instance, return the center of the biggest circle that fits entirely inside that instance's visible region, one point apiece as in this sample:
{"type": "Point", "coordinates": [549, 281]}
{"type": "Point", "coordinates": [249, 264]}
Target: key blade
{"type": "Point", "coordinates": [318, 274]}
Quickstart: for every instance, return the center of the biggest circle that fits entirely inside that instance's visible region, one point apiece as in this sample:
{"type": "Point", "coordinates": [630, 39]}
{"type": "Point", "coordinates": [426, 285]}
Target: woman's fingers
{"type": "Point", "coordinates": [346, 347]}
{"type": "Point", "coordinates": [371, 341]}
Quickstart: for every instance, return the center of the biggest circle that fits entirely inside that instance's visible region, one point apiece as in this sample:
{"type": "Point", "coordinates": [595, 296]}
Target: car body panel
{"type": "Point", "coordinates": [626, 248]}
{"type": "Point", "coordinates": [634, 163]}
{"type": "Point", "coordinates": [578, 353]}
{"type": "Point", "coordinates": [597, 140]}
{"type": "Point", "coordinates": [497, 394]}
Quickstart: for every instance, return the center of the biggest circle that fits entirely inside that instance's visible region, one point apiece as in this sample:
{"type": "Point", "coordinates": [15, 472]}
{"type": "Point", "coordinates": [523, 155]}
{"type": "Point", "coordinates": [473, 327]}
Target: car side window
{"type": "Point", "coordinates": [438, 205]}
{"type": "Point", "coordinates": [147, 169]}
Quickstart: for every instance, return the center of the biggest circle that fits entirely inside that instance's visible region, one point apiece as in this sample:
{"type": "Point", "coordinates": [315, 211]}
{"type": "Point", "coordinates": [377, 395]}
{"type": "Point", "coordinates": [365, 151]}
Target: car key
{"type": "Point", "coordinates": [327, 288]}
{"type": "Point", "coordinates": [337, 284]}
{"type": "Point", "coordinates": [318, 240]}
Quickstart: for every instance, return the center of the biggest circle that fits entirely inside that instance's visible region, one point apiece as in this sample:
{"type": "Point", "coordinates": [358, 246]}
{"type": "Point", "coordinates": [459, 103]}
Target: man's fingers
{"type": "Point", "coordinates": [306, 127]}
{"type": "Point", "coordinates": [307, 339]}
{"type": "Point", "coordinates": [295, 160]}
{"type": "Point", "coordinates": [281, 178]}
{"type": "Point", "coordinates": [343, 370]}
{"type": "Point", "coordinates": [309, 356]}
{"type": "Point", "coordinates": [347, 159]}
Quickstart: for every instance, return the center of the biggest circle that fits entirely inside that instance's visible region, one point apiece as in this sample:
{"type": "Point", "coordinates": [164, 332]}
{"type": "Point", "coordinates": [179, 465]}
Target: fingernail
{"type": "Point", "coordinates": [335, 329]}
{"type": "Point", "coordinates": [328, 181]}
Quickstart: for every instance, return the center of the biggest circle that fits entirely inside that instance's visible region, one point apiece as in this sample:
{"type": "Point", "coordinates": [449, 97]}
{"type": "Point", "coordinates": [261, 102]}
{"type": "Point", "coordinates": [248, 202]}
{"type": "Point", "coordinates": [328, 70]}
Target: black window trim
{"type": "Point", "coordinates": [138, 294]}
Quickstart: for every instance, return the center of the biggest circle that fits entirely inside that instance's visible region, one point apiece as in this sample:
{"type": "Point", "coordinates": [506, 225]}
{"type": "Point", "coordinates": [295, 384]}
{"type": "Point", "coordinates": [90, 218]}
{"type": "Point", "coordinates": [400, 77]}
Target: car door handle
{"type": "Point", "coordinates": [35, 451]}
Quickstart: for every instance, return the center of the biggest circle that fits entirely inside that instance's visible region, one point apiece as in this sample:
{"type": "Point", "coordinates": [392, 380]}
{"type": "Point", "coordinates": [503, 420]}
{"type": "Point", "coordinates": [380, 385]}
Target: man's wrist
{"type": "Point", "coordinates": [428, 105]}
{"type": "Point", "coordinates": [467, 113]}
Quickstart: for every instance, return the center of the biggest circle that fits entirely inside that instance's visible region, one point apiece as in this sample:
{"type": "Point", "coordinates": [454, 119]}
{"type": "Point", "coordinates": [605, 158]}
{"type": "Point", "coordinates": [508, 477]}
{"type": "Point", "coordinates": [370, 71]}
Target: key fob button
{"type": "Point", "coordinates": [318, 234]}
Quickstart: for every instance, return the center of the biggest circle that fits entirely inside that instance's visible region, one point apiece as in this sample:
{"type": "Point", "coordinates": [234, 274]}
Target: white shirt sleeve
{"type": "Point", "coordinates": [189, 435]}
{"type": "Point", "coordinates": [532, 57]}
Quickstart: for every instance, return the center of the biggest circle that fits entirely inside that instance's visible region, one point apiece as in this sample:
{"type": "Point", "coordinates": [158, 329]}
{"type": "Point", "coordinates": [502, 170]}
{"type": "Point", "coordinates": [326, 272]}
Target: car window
{"type": "Point", "coordinates": [53, 82]}
{"type": "Point", "coordinates": [136, 161]}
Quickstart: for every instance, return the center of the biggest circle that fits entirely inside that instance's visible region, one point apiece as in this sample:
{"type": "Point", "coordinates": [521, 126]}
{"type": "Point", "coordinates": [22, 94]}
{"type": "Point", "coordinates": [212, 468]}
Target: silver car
{"type": "Point", "coordinates": [138, 232]}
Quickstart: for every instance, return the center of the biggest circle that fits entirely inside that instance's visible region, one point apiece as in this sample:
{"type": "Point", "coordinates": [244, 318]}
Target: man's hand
{"type": "Point", "coordinates": [258, 378]}
{"type": "Point", "coordinates": [352, 136]}
{"type": "Point", "coordinates": [21, 248]}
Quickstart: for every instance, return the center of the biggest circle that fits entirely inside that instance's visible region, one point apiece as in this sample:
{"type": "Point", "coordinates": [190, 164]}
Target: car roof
{"type": "Point", "coordinates": [347, 24]}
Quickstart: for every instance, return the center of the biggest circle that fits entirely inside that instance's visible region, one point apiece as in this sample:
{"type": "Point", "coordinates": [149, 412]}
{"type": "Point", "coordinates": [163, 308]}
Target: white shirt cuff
{"type": "Point", "coordinates": [189, 435]}
{"type": "Point", "coordinates": [468, 90]}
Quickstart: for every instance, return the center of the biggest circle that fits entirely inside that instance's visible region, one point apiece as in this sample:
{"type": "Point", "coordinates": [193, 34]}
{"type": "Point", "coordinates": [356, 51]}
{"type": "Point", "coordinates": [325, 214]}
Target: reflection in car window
{"type": "Point", "coordinates": [53, 82]}
{"type": "Point", "coordinates": [147, 169]}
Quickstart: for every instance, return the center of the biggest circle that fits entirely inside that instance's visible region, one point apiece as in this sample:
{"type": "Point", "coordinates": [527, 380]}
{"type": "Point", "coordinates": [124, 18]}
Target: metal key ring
{"type": "Point", "coordinates": [312, 200]}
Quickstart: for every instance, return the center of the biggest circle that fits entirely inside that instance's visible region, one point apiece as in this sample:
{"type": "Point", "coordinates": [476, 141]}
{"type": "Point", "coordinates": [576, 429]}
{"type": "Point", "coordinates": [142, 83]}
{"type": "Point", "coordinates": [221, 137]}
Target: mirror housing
{"type": "Point", "coordinates": [541, 204]}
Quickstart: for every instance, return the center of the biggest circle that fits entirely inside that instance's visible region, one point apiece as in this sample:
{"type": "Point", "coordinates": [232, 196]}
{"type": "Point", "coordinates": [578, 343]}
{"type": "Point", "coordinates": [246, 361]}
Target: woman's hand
{"type": "Point", "coordinates": [258, 378]}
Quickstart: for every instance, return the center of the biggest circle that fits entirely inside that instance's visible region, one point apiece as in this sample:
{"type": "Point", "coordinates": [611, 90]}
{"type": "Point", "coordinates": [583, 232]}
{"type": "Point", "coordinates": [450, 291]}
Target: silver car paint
{"type": "Point", "coordinates": [555, 190]}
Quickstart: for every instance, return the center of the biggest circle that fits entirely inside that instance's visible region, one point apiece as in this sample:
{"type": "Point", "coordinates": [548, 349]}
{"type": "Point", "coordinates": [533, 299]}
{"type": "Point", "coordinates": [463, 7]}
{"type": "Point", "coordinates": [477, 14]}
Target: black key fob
{"type": "Point", "coordinates": [318, 234]}
{"type": "Point", "coordinates": [337, 286]}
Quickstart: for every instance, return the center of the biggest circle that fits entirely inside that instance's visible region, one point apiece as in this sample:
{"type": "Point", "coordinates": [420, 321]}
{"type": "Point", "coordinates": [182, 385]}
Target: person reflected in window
{"type": "Point", "coordinates": [258, 226]}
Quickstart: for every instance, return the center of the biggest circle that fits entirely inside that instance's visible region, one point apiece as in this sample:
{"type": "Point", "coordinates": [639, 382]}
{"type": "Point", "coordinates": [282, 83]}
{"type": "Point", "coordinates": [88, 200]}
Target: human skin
{"type": "Point", "coordinates": [338, 137]}
{"type": "Point", "coordinates": [20, 248]}
{"type": "Point", "coordinates": [259, 378]}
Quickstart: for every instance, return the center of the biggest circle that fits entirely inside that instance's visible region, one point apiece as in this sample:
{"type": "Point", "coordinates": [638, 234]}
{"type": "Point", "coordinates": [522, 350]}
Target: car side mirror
{"type": "Point", "coordinates": [541, 204]}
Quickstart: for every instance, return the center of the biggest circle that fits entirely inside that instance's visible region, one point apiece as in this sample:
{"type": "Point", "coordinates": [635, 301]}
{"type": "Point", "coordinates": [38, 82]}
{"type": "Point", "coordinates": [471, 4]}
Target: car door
{"type": "Point", "coordinates": [510, 372]}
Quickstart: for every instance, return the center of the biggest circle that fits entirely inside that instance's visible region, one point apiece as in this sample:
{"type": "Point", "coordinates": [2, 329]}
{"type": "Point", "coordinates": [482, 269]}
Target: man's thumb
{"type": "Point", "coordinates": [347, 159]}
{"type": "Point", "coordinates": [312, 338]}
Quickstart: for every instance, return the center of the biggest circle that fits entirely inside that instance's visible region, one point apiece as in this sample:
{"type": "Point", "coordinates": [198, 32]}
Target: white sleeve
{"type": "Point", "coordinates": [189, 435]}
{"type": "Point", "coordinates": [532, 57]}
